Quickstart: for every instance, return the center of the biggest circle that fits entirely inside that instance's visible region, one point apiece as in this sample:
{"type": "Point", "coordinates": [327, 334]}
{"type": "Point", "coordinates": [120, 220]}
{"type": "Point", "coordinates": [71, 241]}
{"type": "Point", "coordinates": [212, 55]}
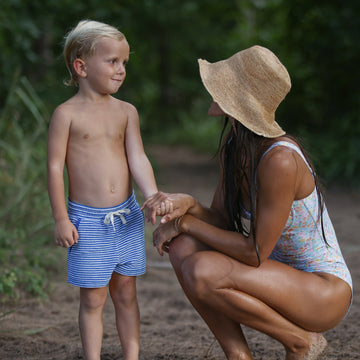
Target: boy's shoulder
{"type": "Point", "coordinates": [66, 107]}
{"type": "Point", "coordinates": [126, 106]}
{"type": "Point", "coordinates": [62, 113]}
{"type": "Point", "coordinates": [128, 109]}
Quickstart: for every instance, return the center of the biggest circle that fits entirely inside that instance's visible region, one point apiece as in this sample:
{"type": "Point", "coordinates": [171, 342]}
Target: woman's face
{"type": "Point", "coordinates": [215, 110]}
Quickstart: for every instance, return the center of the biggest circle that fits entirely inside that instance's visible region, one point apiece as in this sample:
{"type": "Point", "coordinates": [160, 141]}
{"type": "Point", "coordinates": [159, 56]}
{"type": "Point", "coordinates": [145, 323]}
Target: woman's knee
{"type": "Point", "coordinates": [197, 272]}
{"type": "Point", "coordinates": [182, 247]}
{"type": "Point", "coordinates": [179, 249]}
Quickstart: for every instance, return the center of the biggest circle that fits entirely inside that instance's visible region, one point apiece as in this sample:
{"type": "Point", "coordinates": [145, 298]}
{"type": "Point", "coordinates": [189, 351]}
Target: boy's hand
{"type": "Point", "coordinates": [66, 234]}
{"type": "Point", "coordinates": [158, 204]}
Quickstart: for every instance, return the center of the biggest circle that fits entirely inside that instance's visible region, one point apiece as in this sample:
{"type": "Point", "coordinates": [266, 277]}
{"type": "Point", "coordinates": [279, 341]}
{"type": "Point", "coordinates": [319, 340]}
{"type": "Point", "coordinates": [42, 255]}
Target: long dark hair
{"type": "Point", "coordinates": [241, 151]}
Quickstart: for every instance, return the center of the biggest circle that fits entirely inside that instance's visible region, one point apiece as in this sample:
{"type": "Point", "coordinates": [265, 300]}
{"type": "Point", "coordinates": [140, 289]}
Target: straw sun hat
{"type": "Point", "coordinates": [249, 86]}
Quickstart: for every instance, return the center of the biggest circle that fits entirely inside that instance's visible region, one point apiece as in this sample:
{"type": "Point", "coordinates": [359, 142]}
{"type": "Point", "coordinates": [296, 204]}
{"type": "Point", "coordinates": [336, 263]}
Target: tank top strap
{"type": "Point", "coordinates": [288, 145]}
{"type": "Point", "coordinates": [246, 214]}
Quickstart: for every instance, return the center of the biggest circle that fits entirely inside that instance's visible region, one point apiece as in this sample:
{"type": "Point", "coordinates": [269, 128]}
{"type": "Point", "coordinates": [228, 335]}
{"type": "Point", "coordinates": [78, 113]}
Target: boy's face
{"type": "Point", "coordinates": [105, 70]}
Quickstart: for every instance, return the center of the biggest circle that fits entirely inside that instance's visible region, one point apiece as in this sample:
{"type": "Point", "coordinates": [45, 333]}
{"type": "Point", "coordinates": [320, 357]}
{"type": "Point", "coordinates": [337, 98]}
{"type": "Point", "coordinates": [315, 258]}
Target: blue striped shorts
{"type": "Point", "coordinates": [110, 239]}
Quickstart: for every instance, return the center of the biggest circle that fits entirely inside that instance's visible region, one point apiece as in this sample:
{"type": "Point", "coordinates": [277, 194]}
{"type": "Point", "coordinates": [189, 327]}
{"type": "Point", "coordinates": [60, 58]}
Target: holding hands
{"type": "Point", "coordinates": [157, 205]}
{"type": "Point", "coordinates": [171, 207]}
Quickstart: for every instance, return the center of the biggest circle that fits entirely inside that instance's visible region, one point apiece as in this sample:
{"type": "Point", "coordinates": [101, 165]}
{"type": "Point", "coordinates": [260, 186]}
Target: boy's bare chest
{"type": "Point", "coordinates": [89, 129]}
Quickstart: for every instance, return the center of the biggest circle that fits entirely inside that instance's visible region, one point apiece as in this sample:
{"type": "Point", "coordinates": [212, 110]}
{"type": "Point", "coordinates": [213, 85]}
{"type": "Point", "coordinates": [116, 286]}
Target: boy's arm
{"type": "Point", "coordinates": [139, 163]}
{"type": "Point", "coordinates": [65, 233]}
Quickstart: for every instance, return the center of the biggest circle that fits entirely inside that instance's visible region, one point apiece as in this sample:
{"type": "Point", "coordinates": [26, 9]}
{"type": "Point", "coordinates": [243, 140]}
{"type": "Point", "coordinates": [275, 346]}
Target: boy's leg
{"type": "Point", "coordinates": [123, 293]}
{"type": "Point", "coordinates": [92, 301]}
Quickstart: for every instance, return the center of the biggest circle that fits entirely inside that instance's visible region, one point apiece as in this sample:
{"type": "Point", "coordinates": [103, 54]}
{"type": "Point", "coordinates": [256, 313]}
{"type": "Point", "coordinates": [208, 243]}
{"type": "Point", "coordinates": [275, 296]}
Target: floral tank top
{"type": "Point", "coordinates": [301, 244]}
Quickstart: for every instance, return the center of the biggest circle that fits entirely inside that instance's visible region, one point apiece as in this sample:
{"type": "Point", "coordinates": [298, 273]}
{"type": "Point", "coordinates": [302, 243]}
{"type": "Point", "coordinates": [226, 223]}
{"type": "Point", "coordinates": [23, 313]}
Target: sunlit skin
{"type": "Point", "coordinates": [98, 138]}
{"type": "Point", "coordinates": [218, 271]}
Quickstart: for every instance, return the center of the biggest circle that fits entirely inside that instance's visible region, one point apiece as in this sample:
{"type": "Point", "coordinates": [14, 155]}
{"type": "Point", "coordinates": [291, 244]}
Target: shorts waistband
{"type": "Point", "coordinates": [90, 211]}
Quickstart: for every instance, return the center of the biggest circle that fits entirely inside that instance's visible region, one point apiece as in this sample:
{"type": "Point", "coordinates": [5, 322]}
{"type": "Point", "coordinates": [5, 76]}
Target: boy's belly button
{"type": "Point", "coordinates": [112, 189]}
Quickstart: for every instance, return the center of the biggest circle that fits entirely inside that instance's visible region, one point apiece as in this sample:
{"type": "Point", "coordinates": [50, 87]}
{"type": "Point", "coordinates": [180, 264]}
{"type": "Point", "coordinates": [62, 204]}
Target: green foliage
{"type": "Point", "coordinates": [24, 215]}
{"type": "Point", "coordinates": [5, 314]}
{"type": "Point", "coordinates": [317, 41]}
{"type": "Point", "coordinates": [15, 281]}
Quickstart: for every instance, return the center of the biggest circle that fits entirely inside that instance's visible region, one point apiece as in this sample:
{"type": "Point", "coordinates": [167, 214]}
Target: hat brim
{"type": "Point", "coordinates": [218, 79]}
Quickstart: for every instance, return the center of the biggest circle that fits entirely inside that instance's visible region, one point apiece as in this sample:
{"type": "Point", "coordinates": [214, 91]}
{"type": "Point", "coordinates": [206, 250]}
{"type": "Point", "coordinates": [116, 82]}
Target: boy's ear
{"type": "Point", "coordinates": [80, 67]}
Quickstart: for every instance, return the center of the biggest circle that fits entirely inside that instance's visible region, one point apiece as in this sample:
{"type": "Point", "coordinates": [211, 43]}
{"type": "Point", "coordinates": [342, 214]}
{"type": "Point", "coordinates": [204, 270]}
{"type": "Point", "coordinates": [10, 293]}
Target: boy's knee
{"type": "Point", "coordinates": [124, 298]}
{"type": "Point", "coordinates": [124, 291]}
{"type": "Point", "coordinates": [93, 299]}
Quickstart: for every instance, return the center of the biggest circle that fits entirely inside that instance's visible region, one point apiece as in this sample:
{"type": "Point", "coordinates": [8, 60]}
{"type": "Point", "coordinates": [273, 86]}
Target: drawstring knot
{"type": "Point", "coordinates": [109, 218]}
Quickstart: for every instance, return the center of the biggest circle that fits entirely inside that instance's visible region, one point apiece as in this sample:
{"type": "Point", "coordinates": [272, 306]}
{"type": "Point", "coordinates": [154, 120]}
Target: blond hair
{"type": "Point", "coordinates": [80, 43]}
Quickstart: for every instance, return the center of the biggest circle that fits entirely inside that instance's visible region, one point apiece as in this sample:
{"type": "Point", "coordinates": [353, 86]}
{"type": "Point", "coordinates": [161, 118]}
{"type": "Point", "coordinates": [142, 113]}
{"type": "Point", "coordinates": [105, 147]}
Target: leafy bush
{"type": "Point", "coordinates": [25, 216]}
{"type": "Point", "coordinates": [316, 40]}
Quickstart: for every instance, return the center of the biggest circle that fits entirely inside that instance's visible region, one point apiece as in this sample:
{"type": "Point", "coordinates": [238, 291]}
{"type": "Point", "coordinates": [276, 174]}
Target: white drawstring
{"type": "Point", "coordinates": [109, 218]}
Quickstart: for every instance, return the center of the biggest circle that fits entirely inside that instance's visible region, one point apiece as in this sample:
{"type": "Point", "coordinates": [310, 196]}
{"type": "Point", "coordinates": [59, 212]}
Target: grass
{"type": "Point", "coordinates": [25, 252]}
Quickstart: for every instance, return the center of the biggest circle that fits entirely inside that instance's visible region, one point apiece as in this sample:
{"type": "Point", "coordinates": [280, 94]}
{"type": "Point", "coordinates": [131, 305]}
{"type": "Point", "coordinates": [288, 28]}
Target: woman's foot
{"type": "Point", "coordinates": [316, 350]}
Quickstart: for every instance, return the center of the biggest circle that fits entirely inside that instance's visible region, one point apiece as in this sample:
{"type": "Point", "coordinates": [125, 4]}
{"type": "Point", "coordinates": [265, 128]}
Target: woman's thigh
{"type": "Point", "coordinates": [315, 301]}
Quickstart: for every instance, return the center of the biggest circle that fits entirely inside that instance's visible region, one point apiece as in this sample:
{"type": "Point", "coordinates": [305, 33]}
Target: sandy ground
{"type": "Point", "coordinates": [170, 327]}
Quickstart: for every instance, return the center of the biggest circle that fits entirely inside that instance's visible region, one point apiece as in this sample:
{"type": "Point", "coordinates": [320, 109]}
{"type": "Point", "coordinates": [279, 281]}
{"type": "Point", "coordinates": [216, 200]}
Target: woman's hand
{"type": "Point", "coordinates": [162, 236]}
{"type": "Point", "coordinates": [169, 206]}
{"type": "Point", "coordinates": [157, 205]}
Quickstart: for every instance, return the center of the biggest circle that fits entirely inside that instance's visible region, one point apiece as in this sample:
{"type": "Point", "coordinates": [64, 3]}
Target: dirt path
{"type": "Point", "coordinates": [170, 328]}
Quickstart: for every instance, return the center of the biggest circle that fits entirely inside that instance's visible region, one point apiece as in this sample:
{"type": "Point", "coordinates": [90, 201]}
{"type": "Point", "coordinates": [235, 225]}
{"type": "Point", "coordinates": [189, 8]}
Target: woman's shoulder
{"type": "Point", "coordinates": [279, 151]}
{"type": "Point", "coordinates": [278, 159]}
{"type": "Point", "coordinates": [278, 163]}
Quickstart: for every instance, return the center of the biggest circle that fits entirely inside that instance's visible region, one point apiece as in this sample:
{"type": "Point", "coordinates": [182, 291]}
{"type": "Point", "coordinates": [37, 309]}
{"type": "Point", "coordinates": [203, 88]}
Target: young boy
{"type": "Point", "coordinates": [98, 137]}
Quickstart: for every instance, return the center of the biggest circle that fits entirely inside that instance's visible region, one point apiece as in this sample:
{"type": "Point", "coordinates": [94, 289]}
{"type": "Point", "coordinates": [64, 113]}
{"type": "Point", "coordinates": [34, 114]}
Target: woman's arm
{"type": "Point", "coordinates": [178, 204]}
{"type": "Point", "coordinates": [277, 181]}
